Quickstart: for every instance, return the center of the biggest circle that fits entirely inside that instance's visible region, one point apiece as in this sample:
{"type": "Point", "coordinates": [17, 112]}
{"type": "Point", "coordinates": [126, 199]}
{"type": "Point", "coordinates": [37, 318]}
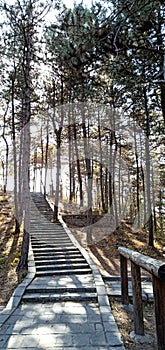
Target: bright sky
{"type": "Point", "coordinates": [68, 3]}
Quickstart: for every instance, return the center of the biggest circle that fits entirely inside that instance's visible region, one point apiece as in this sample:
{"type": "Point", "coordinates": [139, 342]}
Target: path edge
{"type": "Point", "coordinates": [16, 297]}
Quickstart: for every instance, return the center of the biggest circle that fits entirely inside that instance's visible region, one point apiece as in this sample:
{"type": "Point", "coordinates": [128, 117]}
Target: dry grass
{"type": "Point", "coordinates": [105, 254]}
{"type": "Point", "coordinates": [10, 249]}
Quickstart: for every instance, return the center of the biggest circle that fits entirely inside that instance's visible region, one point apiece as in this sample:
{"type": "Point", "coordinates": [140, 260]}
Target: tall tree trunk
{"type": "Point", "coordinates": [137, 179]}
{"type": "Point", "coordinates": [153, 198]}
{"type": "Point", "coordinates": [114, 189]}
{"type": "Point", "coordinates": [78, 165]}
{"type": "Point", "coordinates": [23, 263]}
{"type": "Point", "coordinates": [58, 133]}
{"type": "Point", "coordinates": [46, 158]}
{"type": "Point", "coordinates": [42, 163]}
{"type": "Point", "coordinates": [160, 34]}
{"type": "Point", "coordinates": [144, 196]}
{"type": "Point", "coordinates": [5, 164]}
{"type": "Point", "coordinates": [161, 212]}
{"type": "Point", "coordinates": [89, 177]}
{"type": "Point", "coordinates": [148, 172]}
{"type": "Point", "coordinates": [111, 176]}
{"type": "Point", "coordinates": [17, 219]}
{"type": "Point", "coordinates": [20, 189]}
{"type": "Point", "coordinates": [106, 190]}
{"type": "Point", "coordinates": [58, 172]}
{"type": "Point", "coordinates": [101, 168]}
{"type": "Point", "coordinates": [70, 157]}
{"type": "Point", "coordinates": [34, 169]}
{"type": "Point", "coordinates": [120, 178]}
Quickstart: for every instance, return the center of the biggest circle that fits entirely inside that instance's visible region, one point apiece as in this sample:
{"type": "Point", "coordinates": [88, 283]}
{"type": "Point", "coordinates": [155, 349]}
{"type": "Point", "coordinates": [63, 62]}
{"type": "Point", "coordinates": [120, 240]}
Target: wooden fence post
{"type": "Point", "coordinates": [124, 280]}
{"type": "Point", "coordinates": [157, 269]}
{"type": "Point", "coordinates": [137, 299]}
{"type": "Point", "coordinates": [159, 295]}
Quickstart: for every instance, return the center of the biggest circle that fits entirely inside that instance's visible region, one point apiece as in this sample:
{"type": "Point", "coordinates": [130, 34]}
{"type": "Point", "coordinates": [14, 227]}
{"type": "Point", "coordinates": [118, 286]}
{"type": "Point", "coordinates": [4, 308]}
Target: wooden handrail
{"type": "Point", "coordinates": [153, 266]}
{"type": "Point", "coordinates": [157, 269]}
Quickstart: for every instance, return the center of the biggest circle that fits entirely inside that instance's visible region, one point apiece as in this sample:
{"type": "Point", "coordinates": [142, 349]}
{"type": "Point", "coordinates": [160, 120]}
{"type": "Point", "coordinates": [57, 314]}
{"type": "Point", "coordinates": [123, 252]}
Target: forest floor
{"type": "Point", "coordinates": [102, 248]}
{"type": "Point", "coordinates": [10, 250]}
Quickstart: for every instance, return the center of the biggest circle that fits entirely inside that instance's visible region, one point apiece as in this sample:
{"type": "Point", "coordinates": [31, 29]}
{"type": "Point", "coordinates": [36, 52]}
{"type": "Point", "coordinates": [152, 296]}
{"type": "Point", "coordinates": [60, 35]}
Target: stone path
{"type": "Point", "coordinates": [113, 287]}
{"type": "Point", "coordinates": [62, 303]}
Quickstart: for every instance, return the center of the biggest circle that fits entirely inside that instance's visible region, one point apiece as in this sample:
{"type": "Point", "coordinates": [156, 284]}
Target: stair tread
{"type": "Point", "coordinates": [59, 256]}
{"type": "Point", "coordinates": [55, 254]}
{"type": "Point", "coordinates": [61, 267]}
{"type": "Point", "coordinates": [63, 272]}
{"type": "Point", "coordinates": [55, 249]}
{"type": "Point", "coordinates": [56, 290]}
{"type": "Point", "coordinates": [58, 297]}
{"type": "Point", "coordinates": [61, 261]}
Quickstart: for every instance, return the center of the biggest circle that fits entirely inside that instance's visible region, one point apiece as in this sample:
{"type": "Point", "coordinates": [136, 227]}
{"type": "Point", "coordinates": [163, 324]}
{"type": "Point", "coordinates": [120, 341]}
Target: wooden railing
{"type": "Point", "coordinates": [157, 269]}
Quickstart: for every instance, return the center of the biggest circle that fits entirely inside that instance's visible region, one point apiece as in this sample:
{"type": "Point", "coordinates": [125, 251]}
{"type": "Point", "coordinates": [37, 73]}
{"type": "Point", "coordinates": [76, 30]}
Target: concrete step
{"type": "Point", "coordinates": [48, 250]}
{"type": "Point", "coordinates": [42, 256]}
{"type": "Point", "coordinates": [48, 232]}
{"type": "Point", "coordinates": [55, 253]}
{"type": "Point", "coordinates": [44, 230]}
{"type": "Point", "coordinates": [50, 241]}
{"type": "Point", "coordinates": [39, 238]}
{"type": "Point", "coordinates": [67, 266]}
{"type": "Point", "coordinates": [40, 226]}
{"type": "Point", "coordinates": [58, 290]}
{"type": "Point", "coordinates": [43, 245]}
{"type": "Point", "coordinates": [63, 272]}
{"type": "Point", "coordinates": [55, 261]}
{"type": "Point", "coordinates": [51, 234]}
{"type": "Point", "coordinates": [49, 238]}
{"type": "Point", "coordinates": [56, 257]}
{"type": "Point", "coordinates": [45, 298]}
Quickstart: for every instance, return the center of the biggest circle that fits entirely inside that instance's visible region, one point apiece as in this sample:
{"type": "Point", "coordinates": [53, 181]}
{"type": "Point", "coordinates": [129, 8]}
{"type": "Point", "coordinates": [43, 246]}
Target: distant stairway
{"type": "Point", "coordinates": [62, 272]}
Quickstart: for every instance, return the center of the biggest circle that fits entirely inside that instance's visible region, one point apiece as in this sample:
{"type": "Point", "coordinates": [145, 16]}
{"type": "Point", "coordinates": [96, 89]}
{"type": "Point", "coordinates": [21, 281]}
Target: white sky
{"type": "Point", "coordinates": [68, 3]}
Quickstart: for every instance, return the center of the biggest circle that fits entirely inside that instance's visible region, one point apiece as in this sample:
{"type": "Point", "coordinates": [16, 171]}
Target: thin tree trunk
{"type": "Point", "coordinates": [161, 212]}
{"type": "Point", "coordinates": [101, 168]}
{"type": "Point", "coordinates": [137, 180]}
{"type": "Point", "coordinates": [34, 169]}
{"type": "Point", "coordinates": [20, 190]}
{"type": "Point", "coordinates": [114, 189]}
{"type": "Point", "coordinates": [153, 198]}
{"type": "Point", "coordinates": [111, 176]}
{"type": "Point", "coordinates": [46, 158]}
{"type": "Point", "coordinates": [120, 178]}
{"type": "Point", "coordinates": [144, 196]}
{"type": "Point", "coordinates": [70, 158]}
{"type": "Point", "coordinates": [160, 33]}
{"type": "Point", "coordinates": [23, 263]}
{"type": "Point", "coordinates": [78, 165]}
{"type": "Point", "coordinates": [42, 163]}
{"type": "Point", "coordinates": [148, 172]}
{"type": "Point", "coordinates": [58, 172]}
{"type": "Point", "coordinates": [58, 133]}
{"type": "Point", "coordinates": [17, 220]}
{"type": "Point", "coordinates": [89, 174]}
{"type": "Point", "coordinates": [106, 190]}
{"type": "Point", "coordinates": [6, 163]}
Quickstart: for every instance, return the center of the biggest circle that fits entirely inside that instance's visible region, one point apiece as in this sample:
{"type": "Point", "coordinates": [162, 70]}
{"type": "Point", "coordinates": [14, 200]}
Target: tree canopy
{"type": "Point", "coordinates": [86, 85]}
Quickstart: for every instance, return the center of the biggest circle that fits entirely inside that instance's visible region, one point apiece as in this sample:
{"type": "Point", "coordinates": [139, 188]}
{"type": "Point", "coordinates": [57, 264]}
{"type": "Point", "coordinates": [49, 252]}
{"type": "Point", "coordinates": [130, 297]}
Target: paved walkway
{"type": "Point", "coordinates": [62, 304]}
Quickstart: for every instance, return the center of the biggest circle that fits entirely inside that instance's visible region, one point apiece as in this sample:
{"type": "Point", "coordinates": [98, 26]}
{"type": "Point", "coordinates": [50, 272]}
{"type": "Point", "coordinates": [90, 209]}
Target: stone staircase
{"type": "Point", "coordinates": [62, 272]}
